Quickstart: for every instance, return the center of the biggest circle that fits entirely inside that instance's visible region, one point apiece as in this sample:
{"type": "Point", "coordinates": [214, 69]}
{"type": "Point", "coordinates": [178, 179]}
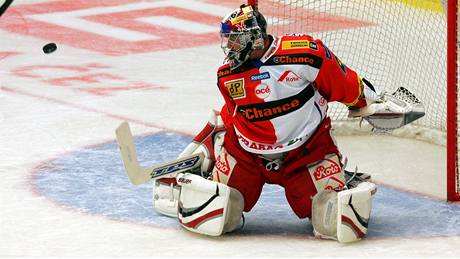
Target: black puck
{"type": "Point", "coordinates": [49, 48]}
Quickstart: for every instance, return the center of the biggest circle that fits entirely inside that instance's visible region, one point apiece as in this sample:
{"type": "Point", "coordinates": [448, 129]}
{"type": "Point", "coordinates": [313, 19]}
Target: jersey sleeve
{"type": "Point", "coordinates": [338, 82]}
{"type": "Point", "coordinates": [229, 105]}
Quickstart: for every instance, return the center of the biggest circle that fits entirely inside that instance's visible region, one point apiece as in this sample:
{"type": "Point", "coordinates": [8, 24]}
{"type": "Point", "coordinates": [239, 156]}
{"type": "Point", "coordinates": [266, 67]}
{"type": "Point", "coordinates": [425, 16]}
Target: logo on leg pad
{"type": "Point", "coordinates": [327, 174]}
{"type": "Point", "coordinates": [223, 167]}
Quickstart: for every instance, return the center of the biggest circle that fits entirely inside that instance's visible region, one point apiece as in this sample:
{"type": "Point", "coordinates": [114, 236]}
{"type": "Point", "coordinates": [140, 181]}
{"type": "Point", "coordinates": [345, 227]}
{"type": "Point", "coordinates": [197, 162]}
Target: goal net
{"type": "Point", "coordinates": [390, 43]}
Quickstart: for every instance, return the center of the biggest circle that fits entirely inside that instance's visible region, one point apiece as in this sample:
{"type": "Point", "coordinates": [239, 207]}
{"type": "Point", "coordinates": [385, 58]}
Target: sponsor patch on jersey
{"type": "Point", "coordinates": [224, 72]}
{"type": "Point", "coordinates": [262, 91]}
{"type": "Point", "coordinates": [293, 141]}
{"type": "Point", "coordinates": [269, 110]}
{"type": "Point", "coordinates": [255, 145]}
{"type": "Point", "coordinates": [227, 71]}
{"type": "Point", "coordinates": [261, 76]}
{"type": "Point", "coordinates": [259, 113]}
{"type": "Point", "coordinates": [301, 59]}
{"type": "Point", "coordinates": [289, 77]}
{"type": "Point", "coordinates": [295, 44]}
{"type": "Point", "coordinates": [341, 65]}
{"type": "Point", "coordinates": [236, 88]}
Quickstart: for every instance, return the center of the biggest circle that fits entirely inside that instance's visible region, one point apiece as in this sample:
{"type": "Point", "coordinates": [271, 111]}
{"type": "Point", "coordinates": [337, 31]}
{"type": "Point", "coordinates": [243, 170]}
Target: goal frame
{"type": "Point", "coordinates": [453, 188]}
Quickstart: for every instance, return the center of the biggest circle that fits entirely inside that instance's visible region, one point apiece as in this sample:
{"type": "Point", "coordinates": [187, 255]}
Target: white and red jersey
{"type": "Point", "coordinates": [276, 103]}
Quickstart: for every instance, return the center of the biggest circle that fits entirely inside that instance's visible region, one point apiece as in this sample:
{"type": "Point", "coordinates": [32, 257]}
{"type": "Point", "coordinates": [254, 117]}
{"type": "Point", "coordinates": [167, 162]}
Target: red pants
{"type": "Point", "coordinates": [247, 172]}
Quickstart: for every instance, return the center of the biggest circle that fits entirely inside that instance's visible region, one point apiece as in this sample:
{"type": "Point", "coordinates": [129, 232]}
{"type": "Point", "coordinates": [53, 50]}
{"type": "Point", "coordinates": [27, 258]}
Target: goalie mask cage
{"type": "Point", "coordinates": [410, 43]}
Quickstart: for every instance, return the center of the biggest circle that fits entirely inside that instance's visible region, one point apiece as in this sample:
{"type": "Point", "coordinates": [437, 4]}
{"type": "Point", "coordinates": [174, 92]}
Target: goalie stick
{"type": "Point", "coordinates": [138, 174]}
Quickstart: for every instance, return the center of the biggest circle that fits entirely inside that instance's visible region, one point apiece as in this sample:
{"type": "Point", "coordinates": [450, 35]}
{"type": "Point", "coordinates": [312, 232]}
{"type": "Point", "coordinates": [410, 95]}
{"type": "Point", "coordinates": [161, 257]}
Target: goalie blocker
{"type": "Point", "coordinates": [208, 142]}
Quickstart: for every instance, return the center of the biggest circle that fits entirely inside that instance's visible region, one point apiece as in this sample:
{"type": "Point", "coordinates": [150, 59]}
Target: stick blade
{"type": "Point", "coordinates": [136, 174]}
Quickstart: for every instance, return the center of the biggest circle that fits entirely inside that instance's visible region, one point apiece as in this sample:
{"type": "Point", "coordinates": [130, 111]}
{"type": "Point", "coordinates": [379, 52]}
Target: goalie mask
{"type": "Point", "coordinates": [242, 31]}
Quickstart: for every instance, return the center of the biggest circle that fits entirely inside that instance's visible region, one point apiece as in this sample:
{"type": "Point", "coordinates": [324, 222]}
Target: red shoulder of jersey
{"type": "Point", "coordinates": [225, 70]}
{"type": "Point", "coordinates": [300, 43]}
{"type": "Point", "coordinates": [297, 49]}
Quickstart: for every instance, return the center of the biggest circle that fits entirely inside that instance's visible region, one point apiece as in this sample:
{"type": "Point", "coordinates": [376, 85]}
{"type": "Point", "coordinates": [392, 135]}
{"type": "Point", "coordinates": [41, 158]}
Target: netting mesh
{"type": "Point", "coordinates": [390, 43]}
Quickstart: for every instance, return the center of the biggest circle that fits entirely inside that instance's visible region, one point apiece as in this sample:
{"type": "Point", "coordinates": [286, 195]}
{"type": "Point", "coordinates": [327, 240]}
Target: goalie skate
{"type": "Point", "coordinates": [355, 178]}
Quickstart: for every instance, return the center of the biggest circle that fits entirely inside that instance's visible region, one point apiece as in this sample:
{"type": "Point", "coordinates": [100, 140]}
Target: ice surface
{"type": "Point", "coordinates": [64, 193]}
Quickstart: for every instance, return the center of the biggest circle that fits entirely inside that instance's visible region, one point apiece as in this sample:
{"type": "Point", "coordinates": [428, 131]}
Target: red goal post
{"type": "Point", "coordinates": [392, 43]}
{"type": "Point", "coordinates": [453, 181]}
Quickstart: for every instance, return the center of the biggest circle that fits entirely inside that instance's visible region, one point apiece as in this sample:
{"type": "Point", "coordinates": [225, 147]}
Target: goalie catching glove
{"type": "Point", "coordinates": [388, 111]}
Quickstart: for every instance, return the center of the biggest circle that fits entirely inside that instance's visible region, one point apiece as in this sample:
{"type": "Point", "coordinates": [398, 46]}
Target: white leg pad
{"type": "Point", "coordinates": [343, 216]}
{"type": "Point", "coordinates": [208, 207]}
{"type": "Point", "coordinates": [354, 210]}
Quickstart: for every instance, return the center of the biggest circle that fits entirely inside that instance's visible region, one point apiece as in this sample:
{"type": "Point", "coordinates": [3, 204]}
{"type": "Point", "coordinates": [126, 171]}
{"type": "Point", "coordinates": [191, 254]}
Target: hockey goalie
{"type": "Point", "coordinates": [274, 128]}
